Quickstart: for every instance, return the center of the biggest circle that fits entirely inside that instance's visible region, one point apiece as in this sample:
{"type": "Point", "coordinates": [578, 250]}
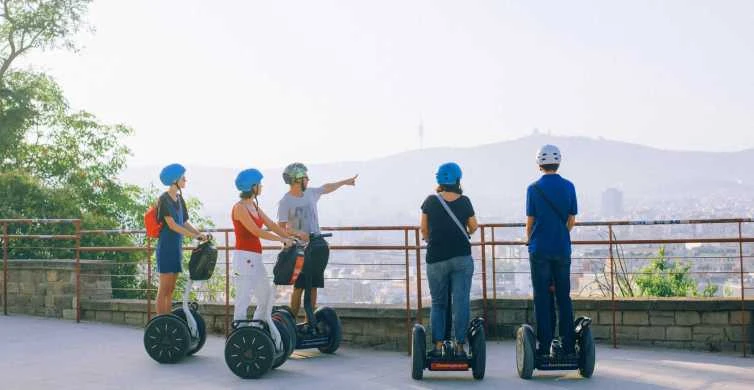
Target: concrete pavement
{"type": "Point", "coordinates": [43, 353]}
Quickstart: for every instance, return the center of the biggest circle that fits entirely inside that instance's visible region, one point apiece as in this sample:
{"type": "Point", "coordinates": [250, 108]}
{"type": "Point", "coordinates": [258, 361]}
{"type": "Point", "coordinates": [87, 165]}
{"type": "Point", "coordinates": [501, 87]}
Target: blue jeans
{"type": "Point", "coordinates": [453, 274]}
{"type": "Point", "coordinates": [546, 270]}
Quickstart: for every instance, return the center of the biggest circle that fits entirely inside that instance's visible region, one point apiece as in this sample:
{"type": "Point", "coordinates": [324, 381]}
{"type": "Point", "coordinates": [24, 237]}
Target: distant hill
{"type": "Point", "coordinates": [390, 189]}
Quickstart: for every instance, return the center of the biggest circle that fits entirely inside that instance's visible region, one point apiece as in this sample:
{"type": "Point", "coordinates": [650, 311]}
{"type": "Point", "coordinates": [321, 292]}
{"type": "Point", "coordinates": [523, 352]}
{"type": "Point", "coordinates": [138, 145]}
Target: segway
{"type": "Point", "coordinates": [527, 359]}
{"type": "Point", "coordinates": [250, 351]}
{"type": "Point", "coordinates": [168, 338]}
{"type": "Point", "coordinates": [476, 358]}
{"type": "Point", "coordinates": [322, 328]}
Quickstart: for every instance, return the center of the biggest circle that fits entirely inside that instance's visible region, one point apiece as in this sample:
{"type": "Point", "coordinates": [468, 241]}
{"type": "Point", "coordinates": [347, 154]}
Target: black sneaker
{"type": "Point", "coordinates": [461, 354]}
{"type": "Point", "coordinates": [435, 353]}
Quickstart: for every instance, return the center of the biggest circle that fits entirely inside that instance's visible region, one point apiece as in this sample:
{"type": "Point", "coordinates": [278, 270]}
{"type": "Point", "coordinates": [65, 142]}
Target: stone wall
{"type": "Point", "coordinates": [48, 287]}
{"type": "Point", "coordinates": [700, 324]}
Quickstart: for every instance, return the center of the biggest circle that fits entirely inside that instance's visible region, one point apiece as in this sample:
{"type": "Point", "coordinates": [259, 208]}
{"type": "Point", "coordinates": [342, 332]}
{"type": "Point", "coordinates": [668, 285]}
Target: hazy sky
{"type": "Point", "coordinates": [251, 83]}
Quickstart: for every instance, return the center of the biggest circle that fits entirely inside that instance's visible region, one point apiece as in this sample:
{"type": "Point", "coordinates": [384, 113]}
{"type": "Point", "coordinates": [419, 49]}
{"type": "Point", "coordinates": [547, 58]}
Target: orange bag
{"type": "Point", "coordinates": [151, 224]}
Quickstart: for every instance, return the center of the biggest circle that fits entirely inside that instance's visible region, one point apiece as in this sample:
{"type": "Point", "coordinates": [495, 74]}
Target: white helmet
{"type": "Point", "coordinates": [549, 154]}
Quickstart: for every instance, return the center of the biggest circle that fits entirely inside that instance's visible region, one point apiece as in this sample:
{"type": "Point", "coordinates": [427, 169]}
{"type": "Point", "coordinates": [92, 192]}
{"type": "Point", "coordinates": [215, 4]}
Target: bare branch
{"type": "Point", "coordinates": [6, 12]}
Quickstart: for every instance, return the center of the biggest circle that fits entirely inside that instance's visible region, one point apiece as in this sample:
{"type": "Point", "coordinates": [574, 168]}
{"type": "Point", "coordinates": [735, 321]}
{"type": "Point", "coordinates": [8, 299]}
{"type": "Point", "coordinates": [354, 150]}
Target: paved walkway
{"type": "Point", "coordinates": [42, 353]}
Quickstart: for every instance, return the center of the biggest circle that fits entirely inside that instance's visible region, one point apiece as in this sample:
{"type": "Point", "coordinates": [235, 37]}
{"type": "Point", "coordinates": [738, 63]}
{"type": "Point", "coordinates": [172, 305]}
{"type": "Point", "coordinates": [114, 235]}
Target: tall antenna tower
{"type": "Point", "coordinates": [421, 134]}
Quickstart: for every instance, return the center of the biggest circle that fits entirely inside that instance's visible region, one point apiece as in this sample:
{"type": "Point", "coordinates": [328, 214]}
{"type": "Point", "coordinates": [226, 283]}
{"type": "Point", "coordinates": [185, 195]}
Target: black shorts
{"type": "Point", "coordinates": [316, 255]}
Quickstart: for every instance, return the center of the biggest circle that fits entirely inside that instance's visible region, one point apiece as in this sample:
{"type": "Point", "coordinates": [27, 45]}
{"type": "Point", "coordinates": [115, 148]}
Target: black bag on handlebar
{"type": "Point", "coordinates": [203, 260]}
{"type": "Point", "coordinates": [285, 267]}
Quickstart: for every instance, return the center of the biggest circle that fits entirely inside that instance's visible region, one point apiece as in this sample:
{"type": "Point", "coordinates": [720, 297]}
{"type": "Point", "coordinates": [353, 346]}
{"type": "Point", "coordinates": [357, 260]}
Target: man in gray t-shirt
{"type": "Point", "coordinates": [297, 213]}
{"type": "Point", "coordinates": [300, 213]}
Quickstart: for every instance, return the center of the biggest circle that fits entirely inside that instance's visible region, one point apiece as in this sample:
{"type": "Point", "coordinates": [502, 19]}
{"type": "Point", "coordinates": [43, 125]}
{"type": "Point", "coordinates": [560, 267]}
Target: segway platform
{"type": "Point", "coordinates": [527, 359]}
{"type": "Point", "coordinates": [475, 360]}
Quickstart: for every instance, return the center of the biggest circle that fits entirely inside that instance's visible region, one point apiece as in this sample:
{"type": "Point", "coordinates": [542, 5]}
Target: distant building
{"type": "Point", "coordinates": [612, 203]}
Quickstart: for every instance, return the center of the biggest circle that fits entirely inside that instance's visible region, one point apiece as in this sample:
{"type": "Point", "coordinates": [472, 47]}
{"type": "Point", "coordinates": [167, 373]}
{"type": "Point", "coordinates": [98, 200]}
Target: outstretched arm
{"type": "Point", "coordinates": [331, 187]}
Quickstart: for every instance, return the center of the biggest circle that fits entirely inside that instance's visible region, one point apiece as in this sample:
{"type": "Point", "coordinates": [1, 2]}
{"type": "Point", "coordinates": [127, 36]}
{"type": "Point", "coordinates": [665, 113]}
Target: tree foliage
{"type": "Point", "coordinates": [666, 278]}
{"type": "Point", "coordinates": [58, 163]}
{"type": "Point", "coordinates": [43, 24]}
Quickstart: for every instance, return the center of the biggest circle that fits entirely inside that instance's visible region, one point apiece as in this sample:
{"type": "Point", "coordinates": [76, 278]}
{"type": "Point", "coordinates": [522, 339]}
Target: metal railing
{"type": "Point", "coordinates": [486, 246]}
{"type": "Point", "coordinates": [612, 242]}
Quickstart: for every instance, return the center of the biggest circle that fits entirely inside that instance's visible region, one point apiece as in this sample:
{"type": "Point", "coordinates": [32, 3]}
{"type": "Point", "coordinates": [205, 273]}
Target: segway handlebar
{"type": "Point", "coordinates": [297, 241]}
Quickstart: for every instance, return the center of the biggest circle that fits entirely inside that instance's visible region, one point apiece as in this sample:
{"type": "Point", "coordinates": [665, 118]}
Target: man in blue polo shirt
{"type": "Point", "coordinates": [551, 213]}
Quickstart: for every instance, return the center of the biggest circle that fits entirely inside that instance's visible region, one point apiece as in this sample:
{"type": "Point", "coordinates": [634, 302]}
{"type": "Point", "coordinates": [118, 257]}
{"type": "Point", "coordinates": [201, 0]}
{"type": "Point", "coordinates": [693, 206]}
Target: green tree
{"type": "Point", "coordinates": [57, 163]}
{"type": "Point", "coordinates": [43, 24]}
{"type": "Point", "coordinates": [665, 278]}
{"type": "Point", "coordinates": [27, 25]}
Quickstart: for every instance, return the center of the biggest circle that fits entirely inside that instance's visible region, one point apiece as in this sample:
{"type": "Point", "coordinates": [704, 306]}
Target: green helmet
{"type": "Point", "coordinates": [294, 172]}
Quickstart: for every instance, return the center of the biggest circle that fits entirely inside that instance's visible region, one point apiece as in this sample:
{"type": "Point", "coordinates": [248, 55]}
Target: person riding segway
{"type": "Point", "coordinates": [447, 221]}
{"type": "Point", "coordinates": [551, 209]}
{"type": "Point", "coordinates": [266, 341]}
{"type": "Point", "coordinates": [168, 338]}
{"type": "Point", "coordinates": [297, 213]}
{"type": "Point", "coordinates": [171, 335]}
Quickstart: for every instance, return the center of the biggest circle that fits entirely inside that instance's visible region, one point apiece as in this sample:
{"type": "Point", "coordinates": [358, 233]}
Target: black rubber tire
{"type": "Point", "coordinates": [282, 327]}
{"type": "Point", "coordinates": [587, 354]}
{"type": "Point", "coordinates": [329, 318]}
{"type": "Point", "coordinates": [166, 338]}
{"type": "Point", "coordinates": [286, 308]}
{"type": "Point", "coordinates": [249, 352]}
{"type": "Point", "coordinates": [525, 346]}
{"type": "Point", "coordinates": [201, 327]}
{"type": "Point", "coordinates": [290, 324]}
{"type": "Point", "coordinates": [478, 345]}
{"type": "Point", "coordinates": [418, 352]}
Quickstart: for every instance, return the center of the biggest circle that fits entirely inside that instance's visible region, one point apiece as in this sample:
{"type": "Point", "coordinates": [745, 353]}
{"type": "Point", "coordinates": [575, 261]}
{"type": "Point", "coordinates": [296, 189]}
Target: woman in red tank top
{"type": "Point", "coordinates": [245, 240]}
{"type": "Point", "coordinates": [250, 276]}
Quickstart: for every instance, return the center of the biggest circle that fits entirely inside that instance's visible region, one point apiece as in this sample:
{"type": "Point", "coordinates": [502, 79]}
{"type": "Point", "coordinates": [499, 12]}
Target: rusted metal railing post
{"type": "Point", "coordinates": [5, 268]}
{"type": "Point", "coordinates": [77, 225]}
{"type": "Point", "coordinates": [149, 279]}
{"type": "Point", "coordinates": [484, 282]}
{"type": "Point", "coordinates": [227, 284]}
{"type": "Point", "coordinates": [494, 284]}
{"type": "Point", "coordinates": [418, 277]}
{"type": "Point", "coordinates": [408, 292]}
{"type": "Point", "coordinates": [744, 340]}
{"type": "Point", "coordinates": [614, 333]}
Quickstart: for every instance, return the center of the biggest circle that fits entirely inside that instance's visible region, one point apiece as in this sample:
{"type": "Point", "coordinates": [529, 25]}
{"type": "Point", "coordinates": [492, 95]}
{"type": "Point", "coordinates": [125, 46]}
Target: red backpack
{"type": "Point", "coordinates": [151, 223]}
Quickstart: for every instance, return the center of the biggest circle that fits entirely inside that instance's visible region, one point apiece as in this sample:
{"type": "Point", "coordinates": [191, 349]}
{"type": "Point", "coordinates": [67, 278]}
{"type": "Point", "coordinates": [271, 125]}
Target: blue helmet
{"type": "Point", "coordinates": [448, 173]}
{"type": "Point", "coordinates": [247, 179]}
{"type": "Point", "coordinates": [171, 174]}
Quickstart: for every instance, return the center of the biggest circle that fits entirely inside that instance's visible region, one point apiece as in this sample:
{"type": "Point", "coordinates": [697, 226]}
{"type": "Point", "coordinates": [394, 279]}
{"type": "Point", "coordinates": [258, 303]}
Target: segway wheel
{"type": "Point", "coordinates": [418, 352]}
{"type": "Point", "coordinates": [587, 353]}
{"type": "Point", "coordinates": [287, 309]}
{"type": "Point", "coordinates": [327, 317]}
{"type": "Point", "coordinates": [478, 353]}
{"type": "Point", "coordinates": [166, 338]}
{"type": "Point", "coordinates": [284, 331]}
{"type": "Point", "coordinates": [201, 327]}
{"type": "Point", "coordinates": [525, 345]}
{"type": "Point", "coordinates": [249, 352]}
{"type": "Point", "coordinates": [290, 324]}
